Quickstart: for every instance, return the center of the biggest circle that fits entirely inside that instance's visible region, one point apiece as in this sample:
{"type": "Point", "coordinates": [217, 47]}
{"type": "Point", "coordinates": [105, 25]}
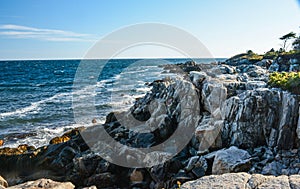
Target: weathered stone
{"type": "Point", "coordinates": [252, 119]}
{"type": "Point", "coordinates": [90, 187]}
{"type": "Point", "coordinates": [298, 126]}
{"type": "Point", "coordinates": [58, 140]}
{"type": "Point", "coordinates": [182, 176]}
{"type": "Point", "coordinates": [197, 77]}
{"type": "Point", "coordinates": [225, 69]}
{"type": "Point", "coordinates": [264, 63]}
{"type": "Point", "coordinates": [102, 180]}
{"type": "Point", "coordinates": [45, 184]}
{"type": "Point", "coordinates": [255, 84]}
{"type": "Point", "coordinates": [136, 176]}
{"type": "Point", "coordinates": [16, 151]}
{"type": "Point", "coordinates": [273, 168]}
{"type": "Point", "coordinates": [268, 155]}
{"type": "Point", "coordinates": [276, 182]}
{"type": "Point", "coordinates": [294, 181]}
{"type": "Point", "coordinates": [208, 133]}
{"type": "Point", "coordinates": [197, 165]}
{"type": "Point", "coordinates": [274, 67]}
{"type": "Point", "coordinates": [256, 180]}
{"type": "Point", "coordinates": [294, 68]}
{"type": "Point", "coordinates": [213, 96]}
{"type": "Point", "coordinates": [228, 181]}
{"type": "Point", "coordinates": [231, 160]}
{"type": "Point", "coordinates": [244, 181]}
{"type": "Point", "coordinates": [66, 136]}
{"type": "Point", "coordinates": [3, 182]}
{"type": "Point", "coordinates": [288, 121]}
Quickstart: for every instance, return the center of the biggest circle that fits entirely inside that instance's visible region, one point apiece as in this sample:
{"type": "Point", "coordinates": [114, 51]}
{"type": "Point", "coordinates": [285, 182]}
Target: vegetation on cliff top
{"type": "Point", "coordinates": [250, 55]}
{"type": "Point", "coordinates": [288, 40]}
{"type": "Point", "coordinates": [286, 80]}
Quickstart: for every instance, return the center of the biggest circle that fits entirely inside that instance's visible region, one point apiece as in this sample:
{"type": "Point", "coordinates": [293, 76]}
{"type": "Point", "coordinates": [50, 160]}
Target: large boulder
{"type": "Point", "coordinates": [261, 117]}
{"type": "Point", "coordinates": [231, 160]}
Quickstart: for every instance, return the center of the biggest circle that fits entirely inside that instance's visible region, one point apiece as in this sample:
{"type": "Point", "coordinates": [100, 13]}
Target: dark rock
{"type": "Point", "coordinates": [182, 176]}
{"type": "Point", "coordinates": [268, 155]}
{"type": "Point", "coordinates": [102, 180]}
{"type": "Point", "coordinates": [94, 121]}
{"type": "Point", "coordinates": [195, 163]}
{"type": "Point", "coordinates": [273, 168]}
{"type": "Point", "coordinates": [198, 172]}
{"type": "Point", "coordinates": [139, 185]}
{"type": "Point", "coordinates": [110, 118]}
{"type": "Point", "coordinates": [274, 67]}
{"type": "Point", "coordinates": [144, 140]}
{"type": "Point", "coordinates": [14, 136]}
{"type": "Point", "coordinates": [264, 63]}
{"type": "Point", "coordinates": [294, 68]}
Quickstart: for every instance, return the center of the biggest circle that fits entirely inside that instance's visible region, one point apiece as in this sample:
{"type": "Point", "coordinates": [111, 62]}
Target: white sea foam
{"type": "Point", "coordinates": [143, 89]}
{"type": "Point", "coordinates": [34, 107]}
{"type": "Point", "coordinates": [43, 136]}
{"type": "Point", "coordinates": [124, 87]}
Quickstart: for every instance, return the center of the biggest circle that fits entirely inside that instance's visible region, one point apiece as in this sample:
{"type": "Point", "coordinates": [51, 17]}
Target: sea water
{"type": "Point", "coordinates": [37, 96]}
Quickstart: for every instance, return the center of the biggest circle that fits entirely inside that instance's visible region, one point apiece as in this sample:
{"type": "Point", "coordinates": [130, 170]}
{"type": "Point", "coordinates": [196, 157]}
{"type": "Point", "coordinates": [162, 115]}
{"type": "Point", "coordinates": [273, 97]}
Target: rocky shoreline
{"type": "Point", "coordinates": [240, 125]}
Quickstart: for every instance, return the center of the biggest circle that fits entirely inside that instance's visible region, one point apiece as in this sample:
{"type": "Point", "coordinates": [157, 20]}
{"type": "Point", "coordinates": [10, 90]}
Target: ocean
{"type": "Point", "coordinates": [36, 96]}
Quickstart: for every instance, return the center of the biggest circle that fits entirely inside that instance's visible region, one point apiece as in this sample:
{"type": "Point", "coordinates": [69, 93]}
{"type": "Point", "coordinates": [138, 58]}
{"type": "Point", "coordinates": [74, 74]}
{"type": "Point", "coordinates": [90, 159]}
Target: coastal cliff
{"type": "Point", "coordinates": [241, 124]}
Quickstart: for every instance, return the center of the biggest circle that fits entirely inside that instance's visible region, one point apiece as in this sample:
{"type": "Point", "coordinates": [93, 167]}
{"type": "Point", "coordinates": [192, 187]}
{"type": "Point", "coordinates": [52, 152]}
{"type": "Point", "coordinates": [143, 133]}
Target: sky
{"type": "Point", "coordinates": [67, 29]}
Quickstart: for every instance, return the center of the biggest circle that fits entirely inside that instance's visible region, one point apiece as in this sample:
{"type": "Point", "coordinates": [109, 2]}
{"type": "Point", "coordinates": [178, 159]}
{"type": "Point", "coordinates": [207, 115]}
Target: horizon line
{"type": "Point", "coordinates": [134, 58]}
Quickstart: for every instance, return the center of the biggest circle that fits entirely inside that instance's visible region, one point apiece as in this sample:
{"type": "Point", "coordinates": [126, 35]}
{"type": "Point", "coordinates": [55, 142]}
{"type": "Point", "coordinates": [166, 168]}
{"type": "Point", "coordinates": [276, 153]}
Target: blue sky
{"type": "Point", "coordinates": [59, 29]}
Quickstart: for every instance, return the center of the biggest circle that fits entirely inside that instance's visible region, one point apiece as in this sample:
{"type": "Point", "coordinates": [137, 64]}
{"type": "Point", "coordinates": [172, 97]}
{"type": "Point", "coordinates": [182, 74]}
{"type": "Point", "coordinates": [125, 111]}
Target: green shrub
{"type": "Point", "coordinates": [251, 56]}
{"type": "Point", "coordinates": [286, 80]}
{"type": "Point", "coordinates": [271, 54]}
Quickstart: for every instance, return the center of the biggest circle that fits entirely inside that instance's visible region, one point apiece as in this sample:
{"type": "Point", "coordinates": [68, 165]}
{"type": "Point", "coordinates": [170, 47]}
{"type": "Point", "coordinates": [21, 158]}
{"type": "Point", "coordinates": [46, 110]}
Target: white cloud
{"type": "Point", "coordinates": [18, 31]}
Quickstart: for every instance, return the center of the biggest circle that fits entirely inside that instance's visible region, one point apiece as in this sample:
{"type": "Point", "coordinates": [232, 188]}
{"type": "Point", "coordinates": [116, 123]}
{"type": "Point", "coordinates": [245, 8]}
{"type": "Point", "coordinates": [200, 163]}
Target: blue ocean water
{"type": "Point", "coordinates": [36, 96]}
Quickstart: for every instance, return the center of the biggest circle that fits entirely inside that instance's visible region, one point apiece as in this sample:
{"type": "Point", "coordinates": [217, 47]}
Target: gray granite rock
{"type": "Point", "coordinates": [231, 160]}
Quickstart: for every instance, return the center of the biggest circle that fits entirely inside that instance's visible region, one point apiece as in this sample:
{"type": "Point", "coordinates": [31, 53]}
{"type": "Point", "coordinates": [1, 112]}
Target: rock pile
{"type": "Point", "coordinates": [238, 125]}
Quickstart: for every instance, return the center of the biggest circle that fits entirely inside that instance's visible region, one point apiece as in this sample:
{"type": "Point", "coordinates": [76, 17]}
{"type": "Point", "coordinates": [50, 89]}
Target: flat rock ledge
{"type": "Point", "coordinates": [45, 184]}
{"type": "Point", "coordinates": [244, 181]}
